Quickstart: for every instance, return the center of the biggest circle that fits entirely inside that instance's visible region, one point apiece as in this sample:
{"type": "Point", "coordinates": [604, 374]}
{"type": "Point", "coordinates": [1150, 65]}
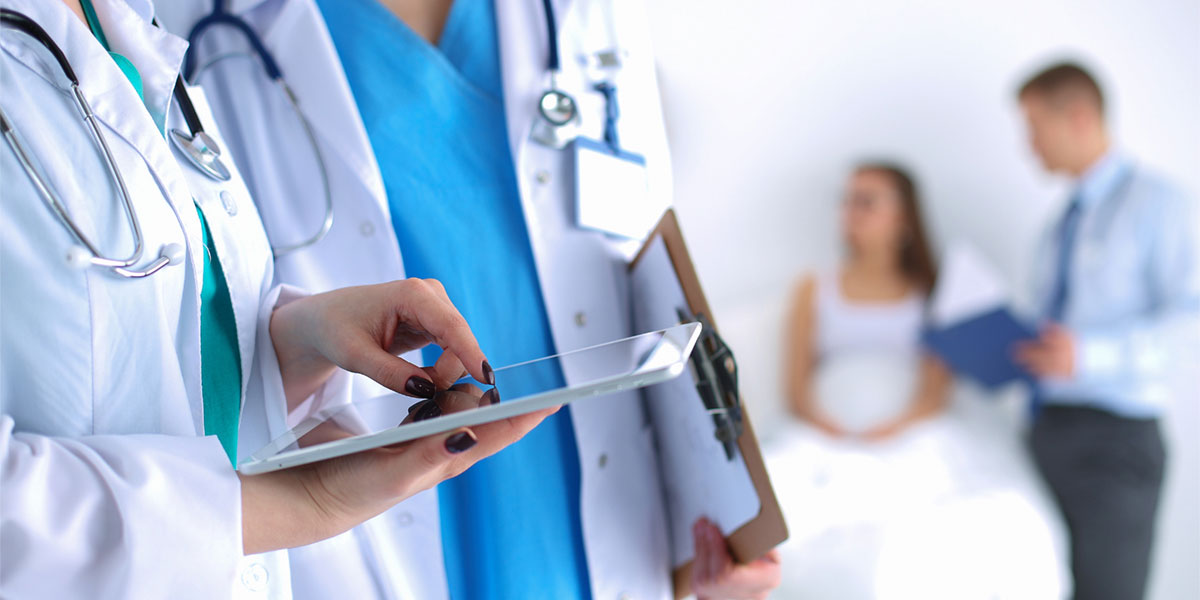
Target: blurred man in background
{"type": "Point", "coordinates": [1116, 286]}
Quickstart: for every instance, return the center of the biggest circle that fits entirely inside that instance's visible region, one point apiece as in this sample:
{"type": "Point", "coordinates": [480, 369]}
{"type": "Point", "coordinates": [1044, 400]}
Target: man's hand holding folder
{"type": "Point", "coordinates": [1051, 355]}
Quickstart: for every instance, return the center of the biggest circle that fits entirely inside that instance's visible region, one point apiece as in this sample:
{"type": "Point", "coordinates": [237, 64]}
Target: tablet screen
{"type": "Point", "coordinates": [520, 388]}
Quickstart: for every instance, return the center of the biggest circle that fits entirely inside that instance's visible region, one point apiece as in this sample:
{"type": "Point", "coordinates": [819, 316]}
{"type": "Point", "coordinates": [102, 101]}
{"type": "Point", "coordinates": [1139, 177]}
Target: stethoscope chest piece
{"type": "Point", "coordinates": [557, 107]}
{"type": "Point", "coordinates": [203, 152]}
{"type": "Point", "coordinates": [559, 119]}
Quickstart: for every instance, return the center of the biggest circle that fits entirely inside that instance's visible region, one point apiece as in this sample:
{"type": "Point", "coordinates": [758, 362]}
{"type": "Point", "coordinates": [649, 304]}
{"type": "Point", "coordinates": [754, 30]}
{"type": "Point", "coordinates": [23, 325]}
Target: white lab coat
{"type": "Point", "coordinates": [582, 273]}
{"type": "Point", "coordinates": [108, 487]}
{"type": "Point", "coordinates": [397, 554]}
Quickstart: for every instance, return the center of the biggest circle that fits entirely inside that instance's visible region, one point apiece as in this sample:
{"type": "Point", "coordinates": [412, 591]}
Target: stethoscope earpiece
{"type": "Point", "coordinates": [78, 257]}
{"type": "Point", "coordinates": [198, 147]}
{"type": "Point", "coordinates": [173, 252]}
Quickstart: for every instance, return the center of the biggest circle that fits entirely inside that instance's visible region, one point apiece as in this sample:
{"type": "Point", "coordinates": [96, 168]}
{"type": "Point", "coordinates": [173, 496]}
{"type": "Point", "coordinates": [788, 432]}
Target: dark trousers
{"type": "Point", "coordinates": [1106, 472]}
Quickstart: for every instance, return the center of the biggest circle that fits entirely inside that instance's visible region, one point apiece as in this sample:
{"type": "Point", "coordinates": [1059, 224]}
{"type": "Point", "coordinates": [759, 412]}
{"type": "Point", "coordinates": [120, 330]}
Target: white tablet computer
{"type": "Point", "coordinates": [522, 388]}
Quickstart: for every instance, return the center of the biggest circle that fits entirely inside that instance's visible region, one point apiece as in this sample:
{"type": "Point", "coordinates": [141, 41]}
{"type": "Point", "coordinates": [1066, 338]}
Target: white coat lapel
{"type": "Point", "coordinates": [108, 92]}
{"type": "Point", "coordinates": [298, 39]}
{"type": "Point", "coordinates": [237, 233]}
{"type": "Point", "coordinates": [110, 97]}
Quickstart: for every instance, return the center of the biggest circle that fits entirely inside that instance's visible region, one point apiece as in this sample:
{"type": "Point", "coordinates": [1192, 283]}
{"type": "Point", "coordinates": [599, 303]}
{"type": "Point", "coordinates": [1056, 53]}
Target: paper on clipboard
{"type": "Point", "coordinates": [698, 478]}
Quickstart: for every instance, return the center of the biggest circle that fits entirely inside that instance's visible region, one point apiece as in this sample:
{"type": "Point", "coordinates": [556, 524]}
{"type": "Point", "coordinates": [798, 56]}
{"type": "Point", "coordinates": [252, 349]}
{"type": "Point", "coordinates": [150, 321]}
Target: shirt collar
{"type": "Point", "coordinates": [156, 53]}
{"type": "Point", "coordinates": [1099, 181]}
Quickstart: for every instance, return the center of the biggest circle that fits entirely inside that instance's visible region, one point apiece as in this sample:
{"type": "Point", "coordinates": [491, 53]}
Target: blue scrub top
{"type": "Point", "coordinates": [435, 118]}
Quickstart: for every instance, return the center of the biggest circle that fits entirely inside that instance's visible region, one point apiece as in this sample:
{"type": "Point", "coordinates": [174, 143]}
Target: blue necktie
{"type": "Point", "coordinates": [1061, 292]}
{"type": "Point", "coordinates": [1067, 231]}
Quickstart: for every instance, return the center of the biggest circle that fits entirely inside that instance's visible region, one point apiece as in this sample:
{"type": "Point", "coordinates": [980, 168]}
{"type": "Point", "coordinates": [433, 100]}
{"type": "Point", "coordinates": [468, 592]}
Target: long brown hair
{"type": "Point", "coordinates": [916, 258]}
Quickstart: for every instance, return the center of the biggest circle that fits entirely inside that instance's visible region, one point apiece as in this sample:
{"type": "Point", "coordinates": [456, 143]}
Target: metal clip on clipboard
{"type": "Point", "coordinates": [717, 382]}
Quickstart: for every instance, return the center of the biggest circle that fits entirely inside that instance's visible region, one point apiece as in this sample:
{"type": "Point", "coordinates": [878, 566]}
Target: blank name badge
{"type": "Point", "coordinates": [612, 190]}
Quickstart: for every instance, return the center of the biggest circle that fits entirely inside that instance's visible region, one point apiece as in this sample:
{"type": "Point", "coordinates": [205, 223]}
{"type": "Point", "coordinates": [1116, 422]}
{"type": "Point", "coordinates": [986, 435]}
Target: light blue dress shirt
{"type": "Point", "coordinates": [1134, 299]}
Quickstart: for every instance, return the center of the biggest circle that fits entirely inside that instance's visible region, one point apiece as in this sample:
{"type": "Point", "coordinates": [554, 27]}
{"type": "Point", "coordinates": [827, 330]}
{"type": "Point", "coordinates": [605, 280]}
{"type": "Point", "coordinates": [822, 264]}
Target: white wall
{"type": "Point", "coordinates": [769, 103]}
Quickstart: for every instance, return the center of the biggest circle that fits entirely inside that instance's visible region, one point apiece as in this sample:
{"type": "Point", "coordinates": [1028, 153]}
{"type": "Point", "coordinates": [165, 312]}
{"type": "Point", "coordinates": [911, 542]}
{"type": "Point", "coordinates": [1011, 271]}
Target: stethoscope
{"type": "Point", "coordinates": [221, 16]}
{"type": "Point", "coordinates": [557, 107]}
{"type": "Point", "coordinates": [197, 146]}
{"type": "Point", "coordinates": [558, 110]}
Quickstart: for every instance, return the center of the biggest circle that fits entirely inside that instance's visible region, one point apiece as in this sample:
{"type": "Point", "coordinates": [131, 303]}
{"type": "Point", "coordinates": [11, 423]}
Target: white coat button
{"type": "Point", "coordinates": [603, 460]}
{"type": "Point", "coordinates": [255, 577]}
{"type": "Point", "coordinates": [542, 176]}
{"type": "Point", "coordinates": [404, 519]}
{"type": "Point", "coordinates": [229, 203]}
{"type": "Point", "coordinates": [367, 229]}
{"type": "Point", "coordinates": [580, 318]}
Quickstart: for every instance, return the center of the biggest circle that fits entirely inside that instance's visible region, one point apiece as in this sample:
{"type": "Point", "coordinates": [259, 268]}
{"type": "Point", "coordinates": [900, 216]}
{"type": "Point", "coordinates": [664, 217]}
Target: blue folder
{"type": "Point", "coordinates": [981, 348]}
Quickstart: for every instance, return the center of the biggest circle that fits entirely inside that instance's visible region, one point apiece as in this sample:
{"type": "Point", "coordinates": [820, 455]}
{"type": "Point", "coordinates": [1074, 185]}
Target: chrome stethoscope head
{"type": "Point", "coordinates": [557, 107]}
{"type": "Point", "coordinates": [202, 151]}
{"type": "Point", "coordinates": [558, 116]}
{"type": "Point", "coordinates": [558, 110]}
{"type": "Point", "coordinates": [85, 254]}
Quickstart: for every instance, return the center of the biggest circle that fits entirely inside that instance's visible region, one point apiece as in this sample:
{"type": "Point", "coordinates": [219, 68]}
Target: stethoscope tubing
{"type": "Point", "coordinates": [26, 25]}
{"type": "Point", "coordinates": [327, 221]}
{"type": "Point", "coordinates": [221, 16]}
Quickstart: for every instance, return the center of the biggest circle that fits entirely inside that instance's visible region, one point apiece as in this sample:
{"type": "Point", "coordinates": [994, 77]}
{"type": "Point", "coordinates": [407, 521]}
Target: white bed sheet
{"type": "Point", "coordinates": [951, 508]}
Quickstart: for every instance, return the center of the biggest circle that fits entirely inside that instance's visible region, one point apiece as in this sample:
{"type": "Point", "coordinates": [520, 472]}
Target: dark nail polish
{"type": "Point", "coordinates": [460, 442]}
{"type": "Point", "coordinates": [490, 397]}
{"type": "Point", "coordinates": [420, 387]}
{"type": "Point", "coordinates": [429, 410]}
{"type": "Point", "coordinates": [489, 374]}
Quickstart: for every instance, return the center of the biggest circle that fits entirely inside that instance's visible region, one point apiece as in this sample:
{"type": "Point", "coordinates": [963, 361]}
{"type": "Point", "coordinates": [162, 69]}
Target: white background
{"type": "Point", "coordinates": [768, 104]}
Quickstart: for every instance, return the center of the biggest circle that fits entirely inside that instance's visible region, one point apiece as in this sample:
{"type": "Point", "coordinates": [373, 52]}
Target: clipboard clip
{"type": "Point", "coordinates": [717, 382]}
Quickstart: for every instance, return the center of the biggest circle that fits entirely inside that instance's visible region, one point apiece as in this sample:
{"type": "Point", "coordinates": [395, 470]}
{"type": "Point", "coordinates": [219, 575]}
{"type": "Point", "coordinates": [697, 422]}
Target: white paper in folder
{"type": "Point", "coordinates": [699, 480]}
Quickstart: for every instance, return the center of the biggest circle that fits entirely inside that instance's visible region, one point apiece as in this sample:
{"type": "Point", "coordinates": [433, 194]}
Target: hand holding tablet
{"type": "Point", "coordinates": [629, 363]}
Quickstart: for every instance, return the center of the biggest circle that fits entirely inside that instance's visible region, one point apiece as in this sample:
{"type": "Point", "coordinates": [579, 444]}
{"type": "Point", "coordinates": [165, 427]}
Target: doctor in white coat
{"type": "Point", "coordinates": [398, 555]}
{"type": "Point", "coordinates": [109, 486]}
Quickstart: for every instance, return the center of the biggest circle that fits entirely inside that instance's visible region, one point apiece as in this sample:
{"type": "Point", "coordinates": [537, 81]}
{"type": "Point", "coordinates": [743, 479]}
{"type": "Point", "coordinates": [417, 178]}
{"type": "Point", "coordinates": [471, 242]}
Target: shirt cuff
{"type": "Point", "coordinates": [278, 420]}
{"type": "Point", "coordinates": [1097, 355]}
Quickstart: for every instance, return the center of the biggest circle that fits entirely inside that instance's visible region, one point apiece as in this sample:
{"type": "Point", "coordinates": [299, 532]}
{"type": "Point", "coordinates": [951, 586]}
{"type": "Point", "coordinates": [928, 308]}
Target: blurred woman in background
{"type": "Point", "coordinates": [870, 308]}
{"type": "Point", "coordinates": [890, 490]}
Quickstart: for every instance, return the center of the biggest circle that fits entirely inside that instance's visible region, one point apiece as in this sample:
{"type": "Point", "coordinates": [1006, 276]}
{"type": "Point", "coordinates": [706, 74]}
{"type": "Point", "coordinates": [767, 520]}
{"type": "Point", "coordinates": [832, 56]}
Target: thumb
{"type": "Point", "coordinates": [426, 462]}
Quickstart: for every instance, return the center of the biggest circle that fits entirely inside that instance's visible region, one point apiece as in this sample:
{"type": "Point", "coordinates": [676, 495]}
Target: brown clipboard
{"type": "Point", "coordinates": [767, 529]}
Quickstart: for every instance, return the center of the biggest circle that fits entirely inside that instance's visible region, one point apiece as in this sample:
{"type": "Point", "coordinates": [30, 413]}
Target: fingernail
{"type": "Point", "coordinates": [430, 410]}
{"type": "Point", "coordinates": [491, 397]}
{"type": "Point", "coordinates": [420, 387]}
{"type": "Point", "coordinates": [460, 442]}
{"type": "Point", "coordinates": [489, 374]}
